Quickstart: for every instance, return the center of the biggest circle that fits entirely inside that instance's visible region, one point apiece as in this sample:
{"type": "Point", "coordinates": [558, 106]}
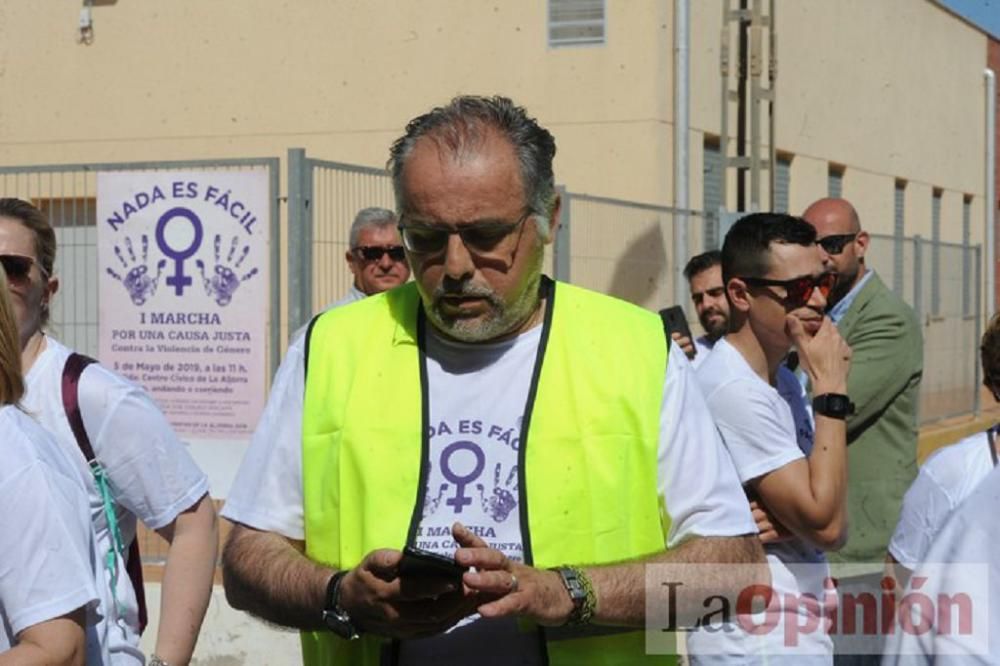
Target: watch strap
{"type": "Point", "coordinates": [335, 617]}
{"type": "Point", "coordinates": [581, 593]}
{"type": "Point", "coordinates": [833, 405]}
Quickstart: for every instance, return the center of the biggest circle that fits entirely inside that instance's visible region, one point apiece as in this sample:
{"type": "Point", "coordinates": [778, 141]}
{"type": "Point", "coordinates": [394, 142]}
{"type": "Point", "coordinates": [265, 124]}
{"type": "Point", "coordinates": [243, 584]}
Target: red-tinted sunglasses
{"type": "Point", "coordinates": [17, 267]}
{"type": "Point", "coordinates": [798, 290]}
{"type": "Point", "coordinates": [375, 252]}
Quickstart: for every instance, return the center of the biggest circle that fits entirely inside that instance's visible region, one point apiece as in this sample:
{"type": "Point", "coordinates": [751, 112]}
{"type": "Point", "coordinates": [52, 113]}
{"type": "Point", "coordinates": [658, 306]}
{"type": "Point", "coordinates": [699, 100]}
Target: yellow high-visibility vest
{"type": "Point", "coordinates": [587, 455]}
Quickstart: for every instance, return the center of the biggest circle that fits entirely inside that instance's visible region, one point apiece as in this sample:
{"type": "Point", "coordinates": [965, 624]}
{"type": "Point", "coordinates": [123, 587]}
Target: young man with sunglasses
{"type": "Point", "coordinates": [884, 383]}
{"type": "Point", "coordinates": [538, 433]}
{"type": "Point", "coordinates": [794, 467]}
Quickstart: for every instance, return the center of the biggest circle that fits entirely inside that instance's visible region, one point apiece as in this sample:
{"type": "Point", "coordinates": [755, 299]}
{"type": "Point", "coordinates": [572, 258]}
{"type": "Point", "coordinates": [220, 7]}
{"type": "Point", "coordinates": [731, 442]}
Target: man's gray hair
{"type": "Point", "coordinates": [371, 218]}
{"type": "Point", "coordinates": [462, 125]}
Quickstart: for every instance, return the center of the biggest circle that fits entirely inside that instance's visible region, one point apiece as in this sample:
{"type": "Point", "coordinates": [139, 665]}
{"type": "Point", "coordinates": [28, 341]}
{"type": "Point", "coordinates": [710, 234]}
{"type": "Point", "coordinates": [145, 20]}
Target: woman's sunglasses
{"type": "Point", "coordinates": [18, 267]}
{"type": "Point", "coordinates": [799, 290]}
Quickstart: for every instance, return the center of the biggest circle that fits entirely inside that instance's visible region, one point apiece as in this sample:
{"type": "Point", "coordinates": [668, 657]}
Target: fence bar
{"type": "Point", "coordinates": [561, 249]}
{"type": "Point", "coordinates": [976, 397]}
{"type": "Point", "coordinates": [918, 278]}
{"type": "Point", "coordinates": [274, 172]}
{"type": "Point", "coordinates": [299, 241]}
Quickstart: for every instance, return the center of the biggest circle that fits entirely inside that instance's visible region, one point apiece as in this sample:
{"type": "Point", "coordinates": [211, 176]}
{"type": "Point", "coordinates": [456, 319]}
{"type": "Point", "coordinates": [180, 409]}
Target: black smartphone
{"type": "Point", "coordinates": [674, 321]}
{"type": "Point", "coordinates": [417, 563]}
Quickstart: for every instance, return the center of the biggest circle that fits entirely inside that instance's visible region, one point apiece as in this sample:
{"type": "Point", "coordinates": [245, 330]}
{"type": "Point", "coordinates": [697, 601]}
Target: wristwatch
{"type": "Point", "coordinates": [336, 618]}
{"type": "Point", "coordinates": [581, 593]}
{"type": "Point", "coordinates": [834, 405]}
{"type": "Point", "coordinates": [156, 660]}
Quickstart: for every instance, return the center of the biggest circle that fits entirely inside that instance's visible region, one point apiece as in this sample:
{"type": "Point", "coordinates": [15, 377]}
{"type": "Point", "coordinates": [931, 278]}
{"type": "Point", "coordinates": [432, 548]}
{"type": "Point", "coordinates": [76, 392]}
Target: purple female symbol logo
{"type": "Point", "coordinates": [178, 280]}
{"type": "Point", "coordinates": [460, 500]}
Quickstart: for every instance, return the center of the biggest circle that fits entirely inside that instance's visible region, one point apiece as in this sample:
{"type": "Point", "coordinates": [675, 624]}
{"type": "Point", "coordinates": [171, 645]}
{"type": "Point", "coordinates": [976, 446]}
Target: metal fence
{"type": "Point", "coordinates": [323, 198]}
{"type": "Point", "coordinates": [618, 247]}
{"type": "Point", "coordinates": [67, 193]}
{"type": "Point", "coordinates": [942, 282]}
{"type": "Point", "coordinates": [628, 249]}
{"type": "Point", "coordinates": [625, 248]}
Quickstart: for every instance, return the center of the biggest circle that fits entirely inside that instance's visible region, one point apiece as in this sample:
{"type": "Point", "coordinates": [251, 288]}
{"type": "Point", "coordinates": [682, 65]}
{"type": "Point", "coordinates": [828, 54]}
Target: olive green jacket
{"type": "Point", "coordinates": [884, 384]}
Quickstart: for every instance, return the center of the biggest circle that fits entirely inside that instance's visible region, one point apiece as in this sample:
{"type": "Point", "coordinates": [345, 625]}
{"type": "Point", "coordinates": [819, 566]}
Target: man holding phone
{"type": "Point", "coordinates": [537, 436]}
{"type": "Point", "coordinates": [704, 276]}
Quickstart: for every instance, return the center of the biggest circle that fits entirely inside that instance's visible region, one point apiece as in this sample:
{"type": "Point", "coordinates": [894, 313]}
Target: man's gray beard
{"type": "Point", "coordinates": [499, 320]}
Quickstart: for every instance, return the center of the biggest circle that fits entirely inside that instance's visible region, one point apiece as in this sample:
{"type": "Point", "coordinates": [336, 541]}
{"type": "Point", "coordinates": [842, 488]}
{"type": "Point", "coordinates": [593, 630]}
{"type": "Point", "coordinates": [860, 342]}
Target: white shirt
{"type": "Point", "coordinates": [47, 539]}
{"type": "Point", "coordinates": [476, 401]}
{"type": "Point", "coordinates": [151, 474]}
{"type": "Point", "coordinates": [764, 428]}
{"type": "Point", "coordinates": [950, 475]}
{"type": "Point", "coordinates": [702, 347]}
{"type": "Point", "coordinates": [962, 563]}
{"type": "Point", "coordinates": [353, 294]}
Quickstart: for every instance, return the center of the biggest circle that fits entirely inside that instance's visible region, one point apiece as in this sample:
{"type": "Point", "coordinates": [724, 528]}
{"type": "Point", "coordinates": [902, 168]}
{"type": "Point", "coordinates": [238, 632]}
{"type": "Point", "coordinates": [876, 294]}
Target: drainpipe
{"type": "Point", "coordinates": [991, 204]}
{"type": "Point", "coordinates": [681, 94]}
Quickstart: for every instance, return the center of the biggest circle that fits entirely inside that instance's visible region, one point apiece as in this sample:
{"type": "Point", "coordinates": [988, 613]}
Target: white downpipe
{"type": "Point", "coordinates": [682, 28]}
{"type": "Point", "coordinates": [991, 144]}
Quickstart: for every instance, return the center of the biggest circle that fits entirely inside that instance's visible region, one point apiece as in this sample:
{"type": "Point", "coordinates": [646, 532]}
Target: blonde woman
{"type": "Point", "coordinates": [146, 472]}
{"type": "Point", "coordinates": [47, 592]}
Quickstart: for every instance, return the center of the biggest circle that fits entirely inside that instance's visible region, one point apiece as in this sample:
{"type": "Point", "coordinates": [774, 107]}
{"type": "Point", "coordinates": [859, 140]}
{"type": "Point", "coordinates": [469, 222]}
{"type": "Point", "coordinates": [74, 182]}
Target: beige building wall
{"type": "Point", "coordinates": [872, 86]}
{"type": "Point", "coordinates": [191, 79]}
{"type": "Point", "coordinates": [889, 90]}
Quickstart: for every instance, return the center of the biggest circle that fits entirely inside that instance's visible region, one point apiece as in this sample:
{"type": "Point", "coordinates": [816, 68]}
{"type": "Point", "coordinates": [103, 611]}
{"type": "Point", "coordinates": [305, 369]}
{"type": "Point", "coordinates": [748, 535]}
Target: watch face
{"type": "Point", "coordinates": [837, 403]}
{"type": "Point", "coordinates": [834, 405]}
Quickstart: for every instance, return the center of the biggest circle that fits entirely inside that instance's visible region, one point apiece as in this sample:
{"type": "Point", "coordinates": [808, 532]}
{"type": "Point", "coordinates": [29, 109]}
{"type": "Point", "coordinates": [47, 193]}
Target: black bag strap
{"type": "Point", "coordinates": [72, 371]}
{"type": "Point", "coordinates": [990, 440]}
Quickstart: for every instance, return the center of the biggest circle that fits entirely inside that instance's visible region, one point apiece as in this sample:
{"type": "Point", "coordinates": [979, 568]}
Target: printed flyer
{"type": "Point", "coordinates": [183, 263]}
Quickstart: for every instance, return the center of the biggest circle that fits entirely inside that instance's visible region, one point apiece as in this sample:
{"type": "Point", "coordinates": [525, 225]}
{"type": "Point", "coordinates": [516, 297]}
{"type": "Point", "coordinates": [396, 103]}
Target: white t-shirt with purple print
{"type": "Point", "coordinates": [477, 396]}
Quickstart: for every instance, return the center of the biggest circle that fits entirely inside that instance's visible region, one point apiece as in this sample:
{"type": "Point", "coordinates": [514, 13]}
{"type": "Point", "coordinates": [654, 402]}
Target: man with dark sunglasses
{"type": "Point", "coordinates": [376, 257]}
{"type": "Point", "coordinates": [792, 464]}
{"type": "Point", "coordinates": [539, 437]}
{"type": "Point", "coordinates": [884, 383]}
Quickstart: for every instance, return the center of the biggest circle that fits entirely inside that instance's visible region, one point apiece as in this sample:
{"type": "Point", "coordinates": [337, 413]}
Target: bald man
{"type": "Point", "coordinates": [884, 384]}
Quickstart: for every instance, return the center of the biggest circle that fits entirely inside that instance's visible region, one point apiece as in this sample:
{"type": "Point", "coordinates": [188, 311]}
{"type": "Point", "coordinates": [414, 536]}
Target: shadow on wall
{"type": "Point", "coordinates": [639, 270]}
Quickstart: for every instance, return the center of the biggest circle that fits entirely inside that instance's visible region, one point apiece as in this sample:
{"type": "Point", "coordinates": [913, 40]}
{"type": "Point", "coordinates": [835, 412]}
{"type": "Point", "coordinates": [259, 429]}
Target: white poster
{"type": "Point", "coordinates": [183, 295]}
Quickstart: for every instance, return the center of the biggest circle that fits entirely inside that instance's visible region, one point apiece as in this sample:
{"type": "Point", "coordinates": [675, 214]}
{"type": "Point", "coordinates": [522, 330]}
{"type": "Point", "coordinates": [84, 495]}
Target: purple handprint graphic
{"type": "Point", "coordinates": [137, 281]}
{"type": "Point", "coordinates": [502, 499]}
{"type": "Point", "coordinates": [225, 281]}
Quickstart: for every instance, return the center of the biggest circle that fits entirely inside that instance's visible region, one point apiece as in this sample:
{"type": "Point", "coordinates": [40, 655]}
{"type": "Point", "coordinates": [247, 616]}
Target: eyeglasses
{"type": "Point", "coordinates": [798, 290]}
{"type": "Point", "coordinates": [483, 239]}
{"type": "Point", "coordinates": [17, 267]}
{"type": "Point", "coordinates": [835, 244]}
{"type": "Point", "coordinates": [375, 252]}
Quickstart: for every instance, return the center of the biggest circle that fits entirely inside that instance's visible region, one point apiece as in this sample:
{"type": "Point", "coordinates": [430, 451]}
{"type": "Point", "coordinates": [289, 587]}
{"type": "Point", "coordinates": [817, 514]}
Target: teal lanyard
{"type": "Point", "coordinates": [117, 545]}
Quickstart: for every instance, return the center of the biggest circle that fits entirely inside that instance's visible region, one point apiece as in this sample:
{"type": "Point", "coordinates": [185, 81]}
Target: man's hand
{"type": "Point", "coordinates": [770, 528]}
{"type": "Point", "coordinates": [684, 342]}
{"type": "Point", "coordinates": [509, 588]}
{"type": "Point", "coordinates": [381, 602]}
{"type": "Point", "coordinates": [825, 357]}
